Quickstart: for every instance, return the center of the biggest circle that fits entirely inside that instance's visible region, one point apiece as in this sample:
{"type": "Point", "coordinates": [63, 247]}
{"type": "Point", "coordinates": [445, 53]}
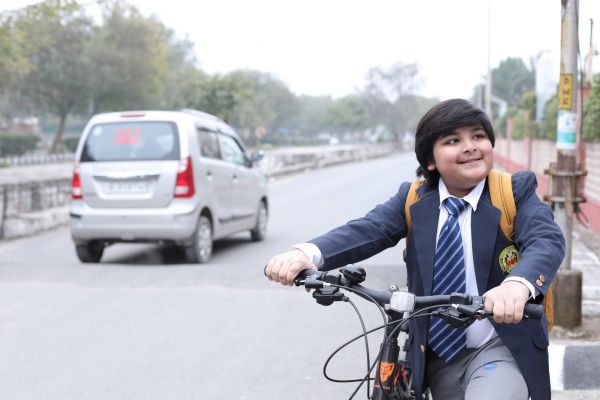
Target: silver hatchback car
{"type": "Point", "coordinates": [160, 176]}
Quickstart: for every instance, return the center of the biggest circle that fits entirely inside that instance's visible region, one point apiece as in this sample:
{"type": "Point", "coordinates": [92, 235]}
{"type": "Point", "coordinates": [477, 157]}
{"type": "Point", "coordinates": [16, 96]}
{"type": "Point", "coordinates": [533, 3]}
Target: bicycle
{"type": "Point", "coordinates": [393, 380]}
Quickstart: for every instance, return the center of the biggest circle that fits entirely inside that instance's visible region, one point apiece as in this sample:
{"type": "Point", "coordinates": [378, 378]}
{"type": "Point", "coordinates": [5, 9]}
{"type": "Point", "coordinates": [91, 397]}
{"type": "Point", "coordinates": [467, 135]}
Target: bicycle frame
{"type": "Point", "coordinates": [390, 369]}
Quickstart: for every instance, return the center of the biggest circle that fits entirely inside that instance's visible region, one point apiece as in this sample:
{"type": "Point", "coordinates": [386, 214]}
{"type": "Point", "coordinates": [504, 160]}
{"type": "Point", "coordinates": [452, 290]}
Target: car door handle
{"type": "Point", "coordinates": [209, 175]}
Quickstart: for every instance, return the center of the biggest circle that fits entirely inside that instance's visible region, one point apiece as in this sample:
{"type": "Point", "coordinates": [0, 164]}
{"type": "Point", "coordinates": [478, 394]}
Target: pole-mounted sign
{"type": "Point", "coordinates": [567, 120]}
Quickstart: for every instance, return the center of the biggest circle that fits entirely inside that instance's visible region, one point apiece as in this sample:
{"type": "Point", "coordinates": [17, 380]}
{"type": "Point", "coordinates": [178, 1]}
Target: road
{"type": "Point", "coordinates": [143, 324]}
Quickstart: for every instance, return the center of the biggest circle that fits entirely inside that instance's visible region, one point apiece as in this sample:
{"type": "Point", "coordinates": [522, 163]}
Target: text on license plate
{"type": "Point", "coordinates": [127, 187]}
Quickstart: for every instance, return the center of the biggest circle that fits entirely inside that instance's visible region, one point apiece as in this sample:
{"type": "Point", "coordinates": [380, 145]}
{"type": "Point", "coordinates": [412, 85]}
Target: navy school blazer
{"type": "Point", "coordinates": [537, 237]}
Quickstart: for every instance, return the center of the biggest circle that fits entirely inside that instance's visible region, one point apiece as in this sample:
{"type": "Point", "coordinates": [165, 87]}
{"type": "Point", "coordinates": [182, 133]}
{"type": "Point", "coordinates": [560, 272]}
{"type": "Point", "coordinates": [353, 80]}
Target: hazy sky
{"type": "Point", "coordinates": [323, 47]}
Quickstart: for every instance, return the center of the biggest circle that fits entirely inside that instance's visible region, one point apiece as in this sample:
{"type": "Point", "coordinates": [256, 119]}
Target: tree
{"type": "Point", "coordinates": [13, 49]}
{"type": "Point", "coordinates": [270, 107]}
{"type": "Point", "coordinates": [347, 114]}
{"type": "Point", "coordinates": [126, 58]}
{"type": "Point", "coordinates": [58, 31]}
{"type": "Point", "coordinates": [524, 124]}
{"type": "Point", "coordinates": [311, 117]}
{"type": "Point", "coordinates": [256, 102]}
{"type": "Point", "coordinates": [511, 79]}
{"type": "Point", "coordinates": [15, 62]}
{"type": "Point", "coordinates": [389, 96]}
{"type": "Point", "coordinates": [182, 85]}
{"type": "Point", "coordinates": [221, 94]}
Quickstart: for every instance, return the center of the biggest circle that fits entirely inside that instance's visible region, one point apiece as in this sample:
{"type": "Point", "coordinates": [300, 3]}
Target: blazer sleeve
{"type": "Point", "coordinates": [538, 238]}
{"type": "Point", "coordinates": [359, 239]}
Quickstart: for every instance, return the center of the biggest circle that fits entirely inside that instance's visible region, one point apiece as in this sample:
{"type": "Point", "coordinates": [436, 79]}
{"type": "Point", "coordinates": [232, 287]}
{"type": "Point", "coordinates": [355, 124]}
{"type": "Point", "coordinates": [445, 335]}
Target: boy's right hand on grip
{"type": "Point", "coordinates": [284, 267]}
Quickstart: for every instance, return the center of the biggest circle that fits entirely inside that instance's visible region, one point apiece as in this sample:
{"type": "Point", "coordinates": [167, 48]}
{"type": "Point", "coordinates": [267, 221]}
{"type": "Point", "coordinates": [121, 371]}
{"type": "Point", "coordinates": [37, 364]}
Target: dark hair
{"type": "Point", "coordinates": [442, 119]}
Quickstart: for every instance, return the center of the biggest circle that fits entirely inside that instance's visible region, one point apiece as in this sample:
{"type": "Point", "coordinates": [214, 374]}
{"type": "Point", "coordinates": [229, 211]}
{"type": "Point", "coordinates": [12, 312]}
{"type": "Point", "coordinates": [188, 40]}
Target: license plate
{"type": "Point", "coordinates": [132, 187]}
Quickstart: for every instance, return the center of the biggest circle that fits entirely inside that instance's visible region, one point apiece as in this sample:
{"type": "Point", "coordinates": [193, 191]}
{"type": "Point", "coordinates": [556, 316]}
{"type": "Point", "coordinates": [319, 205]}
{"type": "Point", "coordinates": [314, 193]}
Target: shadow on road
{"type": "Point", "coordinates": [167, 254]}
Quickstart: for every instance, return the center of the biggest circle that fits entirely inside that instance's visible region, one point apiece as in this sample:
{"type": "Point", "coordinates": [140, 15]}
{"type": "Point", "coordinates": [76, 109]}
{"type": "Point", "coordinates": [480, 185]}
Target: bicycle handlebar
{"type": "Point", "coordinates": [394, 300]}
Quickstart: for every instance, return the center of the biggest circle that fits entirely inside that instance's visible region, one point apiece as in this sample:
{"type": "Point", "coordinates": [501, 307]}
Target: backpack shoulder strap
{"type": "Point", "coordinates": [502, 196]}
{"type": "Point", "coordinates": [500, 185]}
{"type": "Point", "coordinates": [411, 199]}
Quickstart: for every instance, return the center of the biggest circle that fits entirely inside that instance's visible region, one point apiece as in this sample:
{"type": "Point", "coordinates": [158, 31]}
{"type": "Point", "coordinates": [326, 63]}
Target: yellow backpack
{"type": "Point", "coordinates": [500, 185]}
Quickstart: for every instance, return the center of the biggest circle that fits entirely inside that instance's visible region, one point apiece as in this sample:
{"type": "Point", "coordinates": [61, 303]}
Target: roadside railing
{"type": "Point", "coordinates": [294, 159]}
{"type": "Point", "coordinates": [29, 159]}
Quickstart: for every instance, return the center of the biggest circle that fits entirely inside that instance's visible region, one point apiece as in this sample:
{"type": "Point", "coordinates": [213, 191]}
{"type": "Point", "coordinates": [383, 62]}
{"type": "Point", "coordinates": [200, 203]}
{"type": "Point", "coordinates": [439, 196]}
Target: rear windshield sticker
{"type": "Point", "coordinates": [127, 135]}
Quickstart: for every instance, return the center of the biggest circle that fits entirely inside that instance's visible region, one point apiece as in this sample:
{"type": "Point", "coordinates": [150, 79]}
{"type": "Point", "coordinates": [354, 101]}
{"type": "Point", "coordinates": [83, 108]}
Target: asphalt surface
{"type": "Point", "coordinates": [143, 324]}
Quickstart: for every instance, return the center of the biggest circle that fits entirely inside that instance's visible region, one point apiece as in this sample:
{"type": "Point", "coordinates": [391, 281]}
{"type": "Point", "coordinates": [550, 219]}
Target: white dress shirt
{"type": "Point", "coordinates": [480, 332]}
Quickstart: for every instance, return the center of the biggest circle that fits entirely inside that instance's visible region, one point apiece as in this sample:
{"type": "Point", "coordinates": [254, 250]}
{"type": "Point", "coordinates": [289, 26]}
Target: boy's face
{"type": "Point", "coordinates": [463, 158]}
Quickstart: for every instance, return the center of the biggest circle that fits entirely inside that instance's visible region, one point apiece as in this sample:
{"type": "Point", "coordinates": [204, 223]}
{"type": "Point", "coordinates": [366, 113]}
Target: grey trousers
{"type": "Point", "coordinates": [487, 373]}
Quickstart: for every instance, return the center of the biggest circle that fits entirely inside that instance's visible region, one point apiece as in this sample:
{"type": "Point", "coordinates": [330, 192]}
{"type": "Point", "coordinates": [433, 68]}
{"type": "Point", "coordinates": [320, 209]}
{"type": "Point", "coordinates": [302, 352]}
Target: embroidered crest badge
{"type": "Point", "coordinates": [508, 259]}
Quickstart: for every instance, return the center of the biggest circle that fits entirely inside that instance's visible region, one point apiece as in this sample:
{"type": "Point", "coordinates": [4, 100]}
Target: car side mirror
{"type": "Point", "coordinates": [257, 156]}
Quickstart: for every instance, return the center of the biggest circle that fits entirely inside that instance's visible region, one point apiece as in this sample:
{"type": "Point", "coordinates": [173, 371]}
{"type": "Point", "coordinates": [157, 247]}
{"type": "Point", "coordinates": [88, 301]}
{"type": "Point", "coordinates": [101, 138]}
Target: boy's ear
{"type": "Point", "coordinates": [431, 167]}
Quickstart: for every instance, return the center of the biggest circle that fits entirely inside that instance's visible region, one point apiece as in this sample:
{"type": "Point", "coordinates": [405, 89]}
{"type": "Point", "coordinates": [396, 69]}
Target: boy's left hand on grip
{"type": "Point", "coordinates": [507, 301]}
{"type": "Point", "coordinates": [284, 267]}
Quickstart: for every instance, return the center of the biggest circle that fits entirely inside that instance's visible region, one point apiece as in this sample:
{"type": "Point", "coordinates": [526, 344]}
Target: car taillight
{"type": "Point", "coordinates": [76, 192]}
{"type": "Point", "coordinates": [184, 186]}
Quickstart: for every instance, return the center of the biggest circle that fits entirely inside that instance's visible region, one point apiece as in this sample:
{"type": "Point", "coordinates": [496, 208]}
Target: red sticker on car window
{"type": "Point", "coordinates": [127, 135]}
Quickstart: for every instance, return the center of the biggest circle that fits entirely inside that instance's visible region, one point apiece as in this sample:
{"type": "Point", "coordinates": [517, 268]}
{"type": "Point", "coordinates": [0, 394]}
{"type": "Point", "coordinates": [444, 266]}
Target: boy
{"type": "Point", "coordinates": [455, 245]}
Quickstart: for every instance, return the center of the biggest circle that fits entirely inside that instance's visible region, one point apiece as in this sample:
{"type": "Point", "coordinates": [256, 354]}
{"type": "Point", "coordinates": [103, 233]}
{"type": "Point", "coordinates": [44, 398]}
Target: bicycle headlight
{"type": "Point", "coordinates": [402, 301]}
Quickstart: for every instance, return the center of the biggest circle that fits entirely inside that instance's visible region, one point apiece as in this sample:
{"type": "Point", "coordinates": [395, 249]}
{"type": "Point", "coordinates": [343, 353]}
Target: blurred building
{"type": "Point", "coordinates": [23, 125]}
{"type": "Point", "coordinates": [545, 83]}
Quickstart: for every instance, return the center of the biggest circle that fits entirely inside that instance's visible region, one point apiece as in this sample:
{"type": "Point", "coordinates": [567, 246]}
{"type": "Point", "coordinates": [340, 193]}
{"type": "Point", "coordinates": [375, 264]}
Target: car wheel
{"type": "Point", "coordinates": [201, 250]}
{"type": "Point", "coordinates": [260, 229]}
{"type": "Point", "coordinates": [90, 252]}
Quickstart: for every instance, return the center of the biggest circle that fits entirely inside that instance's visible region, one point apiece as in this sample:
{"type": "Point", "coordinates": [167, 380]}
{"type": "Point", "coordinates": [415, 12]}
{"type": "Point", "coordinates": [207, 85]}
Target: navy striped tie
{"type": "Point", "coordinates": [449, 277]}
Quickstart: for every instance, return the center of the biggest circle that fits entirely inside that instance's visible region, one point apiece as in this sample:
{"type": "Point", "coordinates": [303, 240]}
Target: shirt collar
{"type": "Point", "coordinates": [472, 198]}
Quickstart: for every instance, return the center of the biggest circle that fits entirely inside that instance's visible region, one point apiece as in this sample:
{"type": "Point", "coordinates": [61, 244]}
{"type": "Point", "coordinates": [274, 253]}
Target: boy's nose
{"type": "Point", "coordinates": [469, 146]}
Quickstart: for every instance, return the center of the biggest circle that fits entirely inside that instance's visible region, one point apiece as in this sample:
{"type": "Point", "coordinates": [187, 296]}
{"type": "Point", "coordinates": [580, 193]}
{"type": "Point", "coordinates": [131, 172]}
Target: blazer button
{"type": "Point", "coordinates": [539, 282]}
{"type": "Point", "coordinates": [423, 348]}
{"type": "Point", "coordinates": [542, 278]}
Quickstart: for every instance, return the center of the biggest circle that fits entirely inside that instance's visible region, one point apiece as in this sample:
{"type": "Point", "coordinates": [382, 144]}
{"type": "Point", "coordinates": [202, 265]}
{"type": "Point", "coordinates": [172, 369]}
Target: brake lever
{"type": "Point", "coordinates": [303, 275]}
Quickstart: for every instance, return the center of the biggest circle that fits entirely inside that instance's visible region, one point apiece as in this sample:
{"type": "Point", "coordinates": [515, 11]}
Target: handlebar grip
{"type": "Point", "coordinates": [534, 311]}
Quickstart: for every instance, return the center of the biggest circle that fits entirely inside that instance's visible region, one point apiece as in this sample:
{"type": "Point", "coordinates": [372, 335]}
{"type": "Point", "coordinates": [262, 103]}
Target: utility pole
{"type": "Point", "coordinates": [488, 84]}
{"type": "Point", "coordinates": [564, 174]}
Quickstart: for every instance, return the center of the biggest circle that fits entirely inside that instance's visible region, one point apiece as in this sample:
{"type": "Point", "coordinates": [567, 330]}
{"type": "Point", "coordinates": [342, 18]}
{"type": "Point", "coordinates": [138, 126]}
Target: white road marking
{"type": "Point", "coordinates": [557, 354]}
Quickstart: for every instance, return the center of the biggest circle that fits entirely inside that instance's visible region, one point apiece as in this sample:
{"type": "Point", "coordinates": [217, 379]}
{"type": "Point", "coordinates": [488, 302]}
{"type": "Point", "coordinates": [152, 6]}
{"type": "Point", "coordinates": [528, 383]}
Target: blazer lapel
{"type": "Point", "coordinates": [484, 223]}
{"type": "Point", "coordinates": [425, 214]}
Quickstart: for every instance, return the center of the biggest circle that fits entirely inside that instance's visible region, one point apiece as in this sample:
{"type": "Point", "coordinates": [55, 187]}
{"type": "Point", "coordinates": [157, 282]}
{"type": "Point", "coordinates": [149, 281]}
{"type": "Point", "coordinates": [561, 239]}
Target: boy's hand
{"type": "Point", "coordinates": [507, 301]}
{"type": "Point", "coordinates": [284, 267]}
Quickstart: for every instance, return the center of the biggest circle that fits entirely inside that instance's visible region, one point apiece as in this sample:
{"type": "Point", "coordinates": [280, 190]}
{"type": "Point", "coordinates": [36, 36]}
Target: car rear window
{"type": "Point", "coordinates": [132, 141]}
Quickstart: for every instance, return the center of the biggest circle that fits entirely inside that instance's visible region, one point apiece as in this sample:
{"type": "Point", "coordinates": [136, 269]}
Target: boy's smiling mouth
{"type": "Point", "coordinates": [472, 160]}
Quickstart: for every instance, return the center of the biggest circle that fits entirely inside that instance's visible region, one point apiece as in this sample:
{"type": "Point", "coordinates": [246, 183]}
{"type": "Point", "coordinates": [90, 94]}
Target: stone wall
{"type": "Point", "coordinates": [31, 207]}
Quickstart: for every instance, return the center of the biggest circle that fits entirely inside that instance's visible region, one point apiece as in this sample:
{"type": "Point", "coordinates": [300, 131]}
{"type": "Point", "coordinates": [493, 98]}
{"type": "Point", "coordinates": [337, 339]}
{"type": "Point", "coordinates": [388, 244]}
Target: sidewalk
{"type": "Point", "coordinates": [575, 353]}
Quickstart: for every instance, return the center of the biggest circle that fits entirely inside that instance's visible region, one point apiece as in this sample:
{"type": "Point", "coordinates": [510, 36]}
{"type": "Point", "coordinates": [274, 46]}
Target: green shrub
{"type": "Point", "coordinates": [550, 119]}
{"type": "Point", "coordinates": [523, 116]}
{"type": "Point", "coordinates": [591, 111]}
{"type": "Point", "coordinates": [16, 144]}
{"type": "Point", "coordinates": [71, 143]}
